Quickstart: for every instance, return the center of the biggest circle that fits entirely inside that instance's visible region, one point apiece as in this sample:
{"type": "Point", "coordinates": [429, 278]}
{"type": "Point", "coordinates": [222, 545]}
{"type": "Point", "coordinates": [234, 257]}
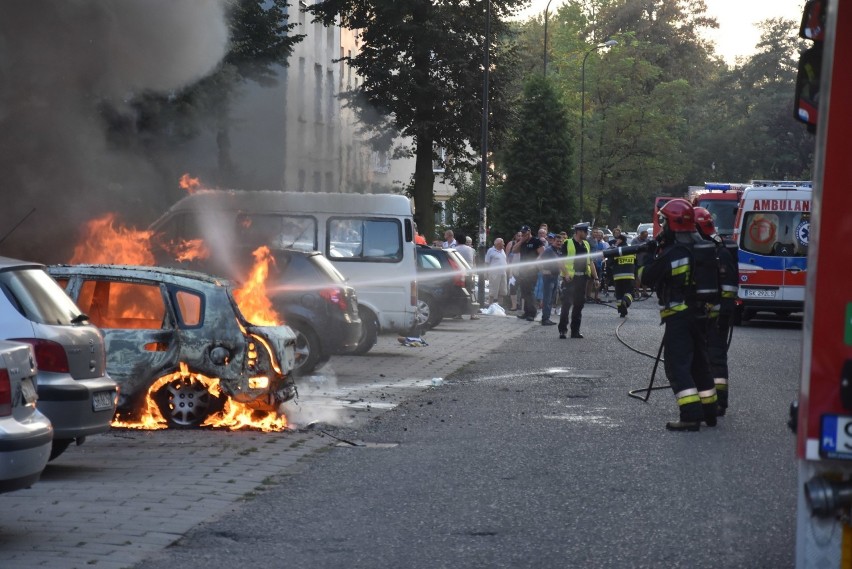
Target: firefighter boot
{"type": "Point", "coordinates": [691, 415]}
{"type": "Point", "coordinates": [722, 394]}
{"type": "Point", "coordinates": [710, 413]}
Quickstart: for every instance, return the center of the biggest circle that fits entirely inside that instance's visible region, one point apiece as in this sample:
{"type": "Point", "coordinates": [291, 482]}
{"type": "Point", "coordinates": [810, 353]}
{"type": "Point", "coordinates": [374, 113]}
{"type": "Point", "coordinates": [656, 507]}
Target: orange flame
{"type": "Point", "coordinates": [190, 250]}
{"type": "Point", "coordinates": [104, 242]}
{"type": "Point", "coordinates": [234, 415]}
{"type": "Point", "coordinates": [252, 298]}
{"type": "Point", "coordinates": [189, 183]}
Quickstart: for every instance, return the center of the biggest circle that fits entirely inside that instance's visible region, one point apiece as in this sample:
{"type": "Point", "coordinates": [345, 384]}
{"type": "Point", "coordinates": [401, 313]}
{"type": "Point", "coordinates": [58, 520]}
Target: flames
{"type": "Point", "coordinates": [190, 184]}
{"type": "Point", "coordinates": [233, 416]}
{"type": "Point", "coordinates": [252, 299]}
{"type": "Point", "coordinates": [106, 240]}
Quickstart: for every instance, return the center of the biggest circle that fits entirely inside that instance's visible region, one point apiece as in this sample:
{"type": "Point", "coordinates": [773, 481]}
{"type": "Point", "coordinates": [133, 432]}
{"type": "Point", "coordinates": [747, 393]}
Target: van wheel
{"type": "Point", "coordinates": [429, 314]}
{"type": "Point", "coordinates": [369, 332]}
{"type": "Point", "coordinates": [58, 447]}
{"type": "Point", "coordinates": [308, 352]}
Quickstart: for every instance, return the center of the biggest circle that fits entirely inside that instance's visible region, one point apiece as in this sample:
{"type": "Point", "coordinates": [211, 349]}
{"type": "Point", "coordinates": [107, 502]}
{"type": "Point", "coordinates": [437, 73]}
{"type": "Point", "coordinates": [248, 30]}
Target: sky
{"type": "Point", "coordinates": [736, 35]}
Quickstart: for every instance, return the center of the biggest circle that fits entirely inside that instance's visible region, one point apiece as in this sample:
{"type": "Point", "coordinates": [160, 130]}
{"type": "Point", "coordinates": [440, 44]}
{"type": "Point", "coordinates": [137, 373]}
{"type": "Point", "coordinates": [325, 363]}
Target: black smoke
{"type": "Point", "coordinates": [63, 62]}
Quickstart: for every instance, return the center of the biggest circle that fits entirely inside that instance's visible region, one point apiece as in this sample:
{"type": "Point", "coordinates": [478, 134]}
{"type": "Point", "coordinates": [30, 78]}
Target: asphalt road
{"type": "Point", "coordinates": [534, 456]}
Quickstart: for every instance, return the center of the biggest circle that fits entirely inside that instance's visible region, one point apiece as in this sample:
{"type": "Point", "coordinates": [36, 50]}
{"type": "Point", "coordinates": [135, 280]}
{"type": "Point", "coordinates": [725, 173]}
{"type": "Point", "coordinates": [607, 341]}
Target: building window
{"type": "Point", "coordinates": [318, 93]}
{"type": "Point", "coordinates": [439, 163]}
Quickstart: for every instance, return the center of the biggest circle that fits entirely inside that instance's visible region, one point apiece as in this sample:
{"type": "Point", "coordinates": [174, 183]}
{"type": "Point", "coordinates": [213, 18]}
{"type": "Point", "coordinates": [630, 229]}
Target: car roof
{"type": "Point", "coordinates": [10, 263]}
{"type": "Point", "coordinates": [138, 272]}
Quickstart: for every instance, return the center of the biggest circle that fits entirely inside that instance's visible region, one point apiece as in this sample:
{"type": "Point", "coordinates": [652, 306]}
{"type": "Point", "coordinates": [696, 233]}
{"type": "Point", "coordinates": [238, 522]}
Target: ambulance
{"type": "Point", "coordinates": [771, 230]}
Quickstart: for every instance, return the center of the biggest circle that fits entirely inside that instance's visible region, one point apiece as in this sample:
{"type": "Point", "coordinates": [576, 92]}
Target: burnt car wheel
{"type": "Point", "coordinates": [429, 314]}
{"type": "Point", "coordinates": [185, 402]}
{"type": "Point", "coordinates": [308, 352]}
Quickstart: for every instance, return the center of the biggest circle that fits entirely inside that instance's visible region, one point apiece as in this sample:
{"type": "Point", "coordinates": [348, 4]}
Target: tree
{"type": "Point", "coordinates": [539, 182]}
{"type": "Point", "coordinates": [422, 78]}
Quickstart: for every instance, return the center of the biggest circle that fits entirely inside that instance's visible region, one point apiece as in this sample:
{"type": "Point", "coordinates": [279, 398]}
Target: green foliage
{"type": "Point", "coordinates": [421, 64]}
{"type": "Point", "coordinates": [465, 205]}
{"type": "Point", "coordinates": [539, 185]}
{"type": "Point", "coordinates": [662, 111]}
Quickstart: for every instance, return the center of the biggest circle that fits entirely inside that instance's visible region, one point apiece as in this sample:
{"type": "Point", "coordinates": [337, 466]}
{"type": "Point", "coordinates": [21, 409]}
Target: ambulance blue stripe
{"type": "Point", "coordinates": [762, 261]}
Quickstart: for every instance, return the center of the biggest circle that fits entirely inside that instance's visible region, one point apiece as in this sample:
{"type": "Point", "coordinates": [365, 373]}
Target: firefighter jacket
{"type": "Point", "coordinates": [670, 273]}
{"type": "Point", "coordinates": [623, 267]}
{"type": "Point", "coordinates": [570, 267]}
{"type": "Point", "coordinates": [729, 277]}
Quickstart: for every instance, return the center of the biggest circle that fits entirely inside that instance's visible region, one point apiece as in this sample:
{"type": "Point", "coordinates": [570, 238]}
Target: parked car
{"type": "Point", "coordinates": [168, 329]}
{"type": "Point", "coordinates": [74, 389]}
{"type": "Point", "coordinates": [307, 291]}
{"type": "Point", "coordinates": [444, 282]}
{"type": "Point", "coordinates": [26, 434]}
{"type": "Point", "coordinates": [649, 227]}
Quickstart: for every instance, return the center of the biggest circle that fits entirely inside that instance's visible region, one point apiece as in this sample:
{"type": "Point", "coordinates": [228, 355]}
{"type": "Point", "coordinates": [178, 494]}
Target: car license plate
{"type": "Point", "coordinates": [759, 293]}
{"type": "Point", "coordinates": [102, 400]}
{"type": "Point", "coordinates": [835, 440]}
{"type": "Point", "coordinates": [28, 390]}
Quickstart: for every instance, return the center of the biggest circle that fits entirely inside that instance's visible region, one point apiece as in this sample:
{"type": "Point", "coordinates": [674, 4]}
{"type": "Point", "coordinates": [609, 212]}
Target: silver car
{"type": "Point", "coordinates": [25, 434]}
{"type": "Point", "coordinates": [74, 390]}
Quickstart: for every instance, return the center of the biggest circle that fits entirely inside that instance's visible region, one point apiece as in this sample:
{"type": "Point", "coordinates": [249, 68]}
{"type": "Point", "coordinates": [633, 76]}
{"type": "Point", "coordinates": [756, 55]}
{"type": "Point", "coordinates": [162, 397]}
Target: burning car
{"type": "Point", "coordinates": [181, 349]}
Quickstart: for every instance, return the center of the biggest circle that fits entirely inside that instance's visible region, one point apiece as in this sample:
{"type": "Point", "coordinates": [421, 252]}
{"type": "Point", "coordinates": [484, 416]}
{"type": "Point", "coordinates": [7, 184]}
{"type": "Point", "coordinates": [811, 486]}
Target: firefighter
{"type": "Point", "coordinates": [673, 273]}
{"type": "Point", "coordinates": [719, 323]}
{"type": "Point", "coordinates": [576, 272]}
{"type": "Point", "coordinates": [623, 274]}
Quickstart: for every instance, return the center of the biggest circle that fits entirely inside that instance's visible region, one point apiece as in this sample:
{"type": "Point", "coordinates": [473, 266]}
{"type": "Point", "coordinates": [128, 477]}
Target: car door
{"type": "Point", "coordinates": [138, 324]}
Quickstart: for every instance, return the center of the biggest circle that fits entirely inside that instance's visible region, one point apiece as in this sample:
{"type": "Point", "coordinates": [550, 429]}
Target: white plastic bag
{"type": "Point", "coordinates": [494, 310]}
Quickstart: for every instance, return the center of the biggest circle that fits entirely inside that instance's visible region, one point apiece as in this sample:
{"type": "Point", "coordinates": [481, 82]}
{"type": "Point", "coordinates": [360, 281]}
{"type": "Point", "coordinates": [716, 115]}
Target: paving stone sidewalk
{"type": "Point", "coordinates": [124, 495]}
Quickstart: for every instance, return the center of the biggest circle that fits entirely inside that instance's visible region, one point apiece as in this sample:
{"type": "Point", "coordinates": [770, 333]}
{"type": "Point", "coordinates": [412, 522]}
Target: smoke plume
{"type": "Point", "coordinates": [61, 61]}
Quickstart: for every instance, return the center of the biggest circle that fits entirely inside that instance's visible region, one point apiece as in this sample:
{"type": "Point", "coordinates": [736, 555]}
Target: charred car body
{"type": "Point", "coordinates": [166, 330]}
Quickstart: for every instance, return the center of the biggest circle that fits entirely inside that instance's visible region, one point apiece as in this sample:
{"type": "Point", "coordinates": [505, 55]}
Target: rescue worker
{"type": "Point", "coordinates": [672, 274]}
{"type": "Point", "coordinates": [721, 314]}
{"type": "Point", "coordinates": [576, 271]}
{"type": "Point", "coordinates": [623, 274]}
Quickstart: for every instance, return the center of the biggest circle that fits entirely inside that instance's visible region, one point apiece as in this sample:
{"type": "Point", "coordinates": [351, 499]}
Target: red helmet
{"type": "Point", "coordinates": [678, 216]}
{"type": "Point", "coordinates": [704, 221]}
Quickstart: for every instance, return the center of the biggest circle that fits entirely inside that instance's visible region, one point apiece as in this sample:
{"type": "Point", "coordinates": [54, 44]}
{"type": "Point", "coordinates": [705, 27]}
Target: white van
{"type": "Point", "coordinates": [368, 237]}
{"type": "Point", "coordinates": [772, 231]}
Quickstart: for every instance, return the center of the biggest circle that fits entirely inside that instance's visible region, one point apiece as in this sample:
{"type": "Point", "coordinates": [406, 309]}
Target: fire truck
{"type": "Point", "coordinates": [720, 199]}
{"type": "Point", "coordinates": [823, 421]}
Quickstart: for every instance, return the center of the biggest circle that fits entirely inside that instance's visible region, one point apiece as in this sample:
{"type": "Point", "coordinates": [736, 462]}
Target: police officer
{"type": "Point", "coordinates": [672, 273]}
{"type": "Point", "coordinates": [576, 271]}
{"type": "Point", "coordinates": [719, 323]}
{"type": "Point", "coordinates": [623, 275]}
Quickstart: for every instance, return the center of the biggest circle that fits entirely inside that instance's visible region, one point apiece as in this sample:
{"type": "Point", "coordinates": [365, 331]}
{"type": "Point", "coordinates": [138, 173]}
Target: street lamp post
{"type": "Point", "coordinates": [546, 8]}
{"type": "Point", "coordinates": [483, 174]}
{"type": "Point", "coordinates": [608, 43]}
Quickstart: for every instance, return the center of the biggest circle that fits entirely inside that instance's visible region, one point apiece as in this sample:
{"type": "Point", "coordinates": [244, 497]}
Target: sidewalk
{"type": "Point", "coordinates": [122, 496]}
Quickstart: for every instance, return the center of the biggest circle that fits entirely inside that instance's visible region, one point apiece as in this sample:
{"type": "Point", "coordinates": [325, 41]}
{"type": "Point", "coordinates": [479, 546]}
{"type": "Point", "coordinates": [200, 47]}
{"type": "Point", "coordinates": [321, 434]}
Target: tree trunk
{"type": "Point", "coordinates": [424, 181]}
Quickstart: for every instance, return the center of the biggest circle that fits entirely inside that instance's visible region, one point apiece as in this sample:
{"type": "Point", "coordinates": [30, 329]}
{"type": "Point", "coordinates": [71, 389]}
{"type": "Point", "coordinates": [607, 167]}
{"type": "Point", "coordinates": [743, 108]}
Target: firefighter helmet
{"type": "Point", "coordinates": [678, 216]}
{"type": "Point", "coordinates": [704, 221]}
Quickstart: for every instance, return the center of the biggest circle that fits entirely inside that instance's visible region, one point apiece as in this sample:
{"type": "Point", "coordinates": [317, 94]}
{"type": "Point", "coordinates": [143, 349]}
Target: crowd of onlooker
{"type": "Point", "coordinates": [529, 273]}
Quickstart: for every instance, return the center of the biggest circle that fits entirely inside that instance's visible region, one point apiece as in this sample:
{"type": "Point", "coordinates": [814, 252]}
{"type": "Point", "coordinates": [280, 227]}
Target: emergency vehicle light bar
{"type": "Point", "coordinates": [723, 186]}
{"type": "Point", "coordinates": [783, 183]}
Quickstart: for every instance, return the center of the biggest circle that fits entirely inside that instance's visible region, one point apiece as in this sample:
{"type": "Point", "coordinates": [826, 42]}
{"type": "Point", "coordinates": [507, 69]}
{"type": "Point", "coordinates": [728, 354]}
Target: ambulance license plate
{"type": "Point", "coordinates": [835, 440]}
{"type": "Point", "coordinates": [759, 293]}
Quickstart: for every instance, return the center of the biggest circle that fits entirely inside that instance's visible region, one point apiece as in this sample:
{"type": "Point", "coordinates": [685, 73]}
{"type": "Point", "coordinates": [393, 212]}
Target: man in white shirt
{"type": "Point", "coordinates": [497, 263]}
{"type": "Point", "coordinates": [449, 239]}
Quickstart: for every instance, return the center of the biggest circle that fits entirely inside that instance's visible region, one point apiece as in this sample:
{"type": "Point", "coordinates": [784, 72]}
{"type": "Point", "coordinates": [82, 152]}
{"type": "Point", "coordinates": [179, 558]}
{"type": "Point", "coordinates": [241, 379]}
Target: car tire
{"type": "Point", "coordinates": [186, 403]}
{"type": "Point", "coordinates": [308, 351]}
{"type": "Point", "coordinates": [369, 332]}
{"type": "Point", "coordinates": [58, 447]}
{"type": "Point", "coordinates": [429, 311]}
